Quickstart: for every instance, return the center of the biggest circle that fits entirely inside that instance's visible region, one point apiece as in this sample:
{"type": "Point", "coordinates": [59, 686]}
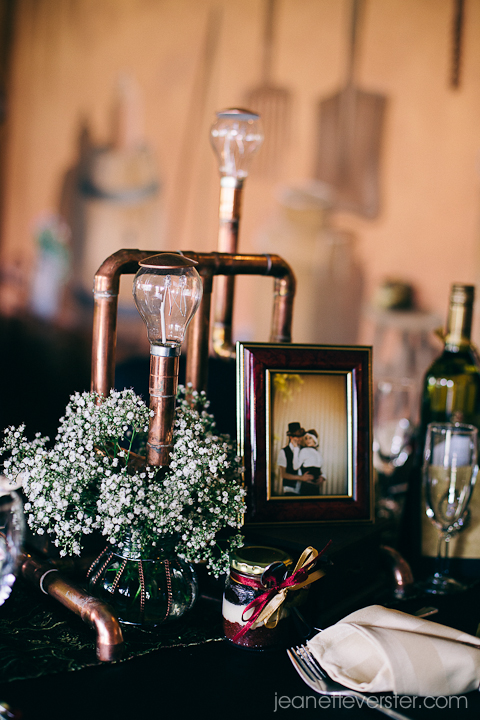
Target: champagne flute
{"type": "Point", "coordinates": [449, 473]}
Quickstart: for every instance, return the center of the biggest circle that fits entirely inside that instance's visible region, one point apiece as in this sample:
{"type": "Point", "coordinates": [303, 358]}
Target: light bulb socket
{"type": "Point", "coordinates": [165, 350]}
{"type": "Point", "coordinates": [228, 181]}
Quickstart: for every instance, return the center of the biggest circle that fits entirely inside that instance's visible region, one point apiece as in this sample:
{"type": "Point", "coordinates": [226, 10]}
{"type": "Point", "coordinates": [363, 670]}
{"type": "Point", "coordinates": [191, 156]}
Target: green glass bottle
{"type": "Point", "coordinates": [451, 393]}
{"type": "Point", "coordinates": [451, 390]}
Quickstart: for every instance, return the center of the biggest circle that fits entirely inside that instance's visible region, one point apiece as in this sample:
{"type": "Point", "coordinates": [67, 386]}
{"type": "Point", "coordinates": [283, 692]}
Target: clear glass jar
{"type": "Point", "coordinates": [146, 590]}
{"type": "Point", "coordinates": [244, 584]}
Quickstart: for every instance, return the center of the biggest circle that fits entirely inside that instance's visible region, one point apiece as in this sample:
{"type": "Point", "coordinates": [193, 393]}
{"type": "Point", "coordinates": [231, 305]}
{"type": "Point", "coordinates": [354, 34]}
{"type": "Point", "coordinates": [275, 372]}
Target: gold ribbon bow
{"type": "Point", "coordinates": [266, 607]}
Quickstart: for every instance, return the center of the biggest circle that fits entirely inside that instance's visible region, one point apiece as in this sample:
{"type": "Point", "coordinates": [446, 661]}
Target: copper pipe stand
{"type": "Point", "coordinates": [210, 265]}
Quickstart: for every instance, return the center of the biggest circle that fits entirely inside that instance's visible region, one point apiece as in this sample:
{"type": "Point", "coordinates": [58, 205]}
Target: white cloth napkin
{"type": "Point", "coordinates": [380, 650]}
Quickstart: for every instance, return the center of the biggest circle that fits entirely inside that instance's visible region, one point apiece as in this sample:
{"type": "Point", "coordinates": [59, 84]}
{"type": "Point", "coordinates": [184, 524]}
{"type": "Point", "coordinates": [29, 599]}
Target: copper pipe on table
{"type": "Point", "coordinates": [100, 616]}
{"type": "Point", "coordinates": [106, 287]}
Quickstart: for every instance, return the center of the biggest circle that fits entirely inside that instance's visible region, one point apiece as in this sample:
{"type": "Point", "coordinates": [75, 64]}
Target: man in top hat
{"type": "Point", "coordinates": [293, 482]}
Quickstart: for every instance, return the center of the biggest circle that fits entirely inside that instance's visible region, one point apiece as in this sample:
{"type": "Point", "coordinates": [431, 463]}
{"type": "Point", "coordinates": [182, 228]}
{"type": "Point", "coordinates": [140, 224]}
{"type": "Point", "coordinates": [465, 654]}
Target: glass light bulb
{"type": "Point", "coordinates": [236, 135]}
{"type": "Point", "coordinates": [167, 291]}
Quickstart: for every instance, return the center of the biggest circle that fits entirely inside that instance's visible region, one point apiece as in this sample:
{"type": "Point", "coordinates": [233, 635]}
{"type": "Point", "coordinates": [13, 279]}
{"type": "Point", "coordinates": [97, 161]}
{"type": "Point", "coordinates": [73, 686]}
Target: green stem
{"type": "Point", "coordinates": [130, 446]}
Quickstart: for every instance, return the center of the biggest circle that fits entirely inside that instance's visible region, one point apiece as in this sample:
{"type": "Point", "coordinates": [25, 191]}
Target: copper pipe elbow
{"type": "Point", "coordinates": [100, 616]}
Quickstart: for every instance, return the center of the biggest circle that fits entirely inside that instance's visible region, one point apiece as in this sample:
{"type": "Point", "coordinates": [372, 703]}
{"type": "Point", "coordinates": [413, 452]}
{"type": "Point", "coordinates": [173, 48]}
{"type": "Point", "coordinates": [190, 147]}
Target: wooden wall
{"type": "Point", "coordinates": [192, 57]}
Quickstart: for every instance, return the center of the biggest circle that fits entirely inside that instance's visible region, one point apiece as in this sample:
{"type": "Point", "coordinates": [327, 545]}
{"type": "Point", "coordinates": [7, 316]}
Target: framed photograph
{"type": "Point", "coordinates": [304, 432]}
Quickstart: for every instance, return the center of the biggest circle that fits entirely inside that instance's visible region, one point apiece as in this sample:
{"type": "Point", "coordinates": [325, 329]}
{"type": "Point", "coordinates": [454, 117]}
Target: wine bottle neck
{"type": "Point", "coordinates": [459, 326]}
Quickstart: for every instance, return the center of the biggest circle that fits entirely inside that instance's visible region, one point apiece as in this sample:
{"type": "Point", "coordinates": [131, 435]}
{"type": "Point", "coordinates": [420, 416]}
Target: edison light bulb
{"type": "Point", "coordinates": [236, 135]}
{"type": "Point", "coordinates": [167, 290]}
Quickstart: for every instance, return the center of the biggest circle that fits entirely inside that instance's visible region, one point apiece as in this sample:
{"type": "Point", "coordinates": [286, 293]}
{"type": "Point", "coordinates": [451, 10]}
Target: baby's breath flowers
{"type": "Point", "coordinates": [87, 482]}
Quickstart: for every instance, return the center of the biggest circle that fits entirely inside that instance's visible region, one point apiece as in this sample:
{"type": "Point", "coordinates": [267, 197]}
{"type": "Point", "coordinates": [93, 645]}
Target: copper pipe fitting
{"type": "Point", "coordinates": [105, 293]}
{"type": "Point", "coordinates": [209, 265]}
{"type": "Point", "coordinates": [100, 616]}
{"type": "Point", "coordinates": [163, 391]}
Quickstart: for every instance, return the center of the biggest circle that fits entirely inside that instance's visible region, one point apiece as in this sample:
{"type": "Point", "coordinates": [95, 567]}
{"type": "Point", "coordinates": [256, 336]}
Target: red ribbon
{"type": "Point", "coordinates": [299, 578]}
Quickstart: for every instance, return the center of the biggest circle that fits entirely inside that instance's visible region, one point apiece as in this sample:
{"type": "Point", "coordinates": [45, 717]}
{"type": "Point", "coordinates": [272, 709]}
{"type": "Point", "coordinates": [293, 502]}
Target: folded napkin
{"type": "Point", "coordinates": [380, 650]}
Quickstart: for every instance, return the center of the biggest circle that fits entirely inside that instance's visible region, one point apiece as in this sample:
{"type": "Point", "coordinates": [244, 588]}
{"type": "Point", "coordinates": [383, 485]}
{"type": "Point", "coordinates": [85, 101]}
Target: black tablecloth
{"type": "Point", "coordinates": [210, 678]}
{"type": "Point", "coordinates": [40, 637]}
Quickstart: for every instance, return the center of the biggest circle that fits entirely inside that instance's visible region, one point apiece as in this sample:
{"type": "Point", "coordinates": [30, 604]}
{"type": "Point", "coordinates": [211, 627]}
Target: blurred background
{"type": "Point", "coordinates": [104, 143]}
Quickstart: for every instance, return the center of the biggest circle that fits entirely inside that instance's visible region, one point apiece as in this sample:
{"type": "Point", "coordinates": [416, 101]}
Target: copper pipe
{"type": "Point", "coordinates": [105, 292]}
{"type": "Point", "coordinates": [282, 310]}
{"type": "Point", "coordinates": [229, 221]}
{"type": "Point", "coordinates": [198, 336]}
{"type": "Point", "coordinates": [210, 264]}
{"type": "Point", "coordinates": [94, 612]}
{"type": "Point", "coordinates": [163, 387]}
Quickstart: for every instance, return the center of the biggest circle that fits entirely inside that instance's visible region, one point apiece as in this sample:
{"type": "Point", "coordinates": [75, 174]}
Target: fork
{"type": "Point", "coordinates": [315, 677]}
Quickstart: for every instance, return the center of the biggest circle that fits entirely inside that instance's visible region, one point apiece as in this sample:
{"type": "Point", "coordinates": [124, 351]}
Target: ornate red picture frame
{"type": "Point", "coordinates": [304, 432]}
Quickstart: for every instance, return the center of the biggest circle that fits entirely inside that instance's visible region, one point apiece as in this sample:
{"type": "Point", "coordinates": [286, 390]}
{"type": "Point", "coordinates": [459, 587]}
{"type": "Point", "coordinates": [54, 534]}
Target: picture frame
{"type": "Point", "coordinates": [321, 394]}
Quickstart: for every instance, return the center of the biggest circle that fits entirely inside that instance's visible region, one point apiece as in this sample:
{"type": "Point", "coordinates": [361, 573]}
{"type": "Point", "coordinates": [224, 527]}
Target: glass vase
{"type": "Point", "coordinates": [146, 589]}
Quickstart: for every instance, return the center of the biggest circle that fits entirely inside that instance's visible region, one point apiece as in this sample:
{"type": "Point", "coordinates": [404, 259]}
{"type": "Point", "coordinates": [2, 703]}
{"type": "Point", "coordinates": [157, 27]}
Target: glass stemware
{"type": "Point", "coordinates": [449, 473]}
{"type": "Point", "coordinates": [394, 404]}
{"type": "Point", "coordinates": [11, 538]}
{"type": "Point", "coordinates": [393, 426]}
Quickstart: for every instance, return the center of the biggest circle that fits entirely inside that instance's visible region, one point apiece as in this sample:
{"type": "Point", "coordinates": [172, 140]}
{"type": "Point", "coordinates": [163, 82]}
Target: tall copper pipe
{"type": "Point", "coordinates": [94, 612]}
{"type": "Point", "coordinates": [229, 221]}
{"type": "Point", "coordinates": [209, 265]}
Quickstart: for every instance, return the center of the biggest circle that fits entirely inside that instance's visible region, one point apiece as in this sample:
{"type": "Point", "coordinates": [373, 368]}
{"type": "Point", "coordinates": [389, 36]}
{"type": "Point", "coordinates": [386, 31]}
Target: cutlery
{"type": "Point", "coordinates": [316, 678]}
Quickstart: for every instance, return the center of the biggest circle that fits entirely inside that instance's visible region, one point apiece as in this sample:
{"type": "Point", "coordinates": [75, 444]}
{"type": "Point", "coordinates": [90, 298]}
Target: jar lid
{"type": "Point", "coordinates": [253, 559]}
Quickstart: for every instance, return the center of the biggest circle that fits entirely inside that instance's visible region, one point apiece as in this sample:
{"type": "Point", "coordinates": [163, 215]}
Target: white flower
{"type": "Point", "coordinates": [81, 483]}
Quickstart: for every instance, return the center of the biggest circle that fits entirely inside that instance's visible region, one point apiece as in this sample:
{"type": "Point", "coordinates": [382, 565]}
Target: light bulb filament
{"type": "Point", "coordinates": [177, 299]}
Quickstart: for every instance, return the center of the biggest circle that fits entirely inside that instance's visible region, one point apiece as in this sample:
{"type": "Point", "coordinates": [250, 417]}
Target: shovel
{"type": "Point", "coordinates": [272, 103]}
{"type": "Point", "coordinates": [351, 126]}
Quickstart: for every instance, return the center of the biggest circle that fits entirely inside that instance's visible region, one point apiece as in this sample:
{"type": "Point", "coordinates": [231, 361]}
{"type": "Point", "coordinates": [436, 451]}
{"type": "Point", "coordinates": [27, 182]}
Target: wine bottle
{"type": "Point", "coordinates": [451, 393]}
{"type": "Point", "coordinates": [451, 390]}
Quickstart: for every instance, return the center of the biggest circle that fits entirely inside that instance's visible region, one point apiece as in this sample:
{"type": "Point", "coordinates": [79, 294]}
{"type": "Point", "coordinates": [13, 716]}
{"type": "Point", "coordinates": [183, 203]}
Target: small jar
{"type": "Point", "coordinates": [243, 585]}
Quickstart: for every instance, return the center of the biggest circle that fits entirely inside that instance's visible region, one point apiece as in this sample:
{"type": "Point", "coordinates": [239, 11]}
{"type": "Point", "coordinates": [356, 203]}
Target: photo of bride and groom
{"type": "Point", "coordinates": [300, 462]}
{"type": "Point", "coordinates": [312, 458]}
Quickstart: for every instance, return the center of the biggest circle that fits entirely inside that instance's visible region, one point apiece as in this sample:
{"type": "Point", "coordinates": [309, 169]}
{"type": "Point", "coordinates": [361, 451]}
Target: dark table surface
{"type": "Point", "coordinates": [219, 680]}
{"type": "Point", "coordinates": [212, 679]}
